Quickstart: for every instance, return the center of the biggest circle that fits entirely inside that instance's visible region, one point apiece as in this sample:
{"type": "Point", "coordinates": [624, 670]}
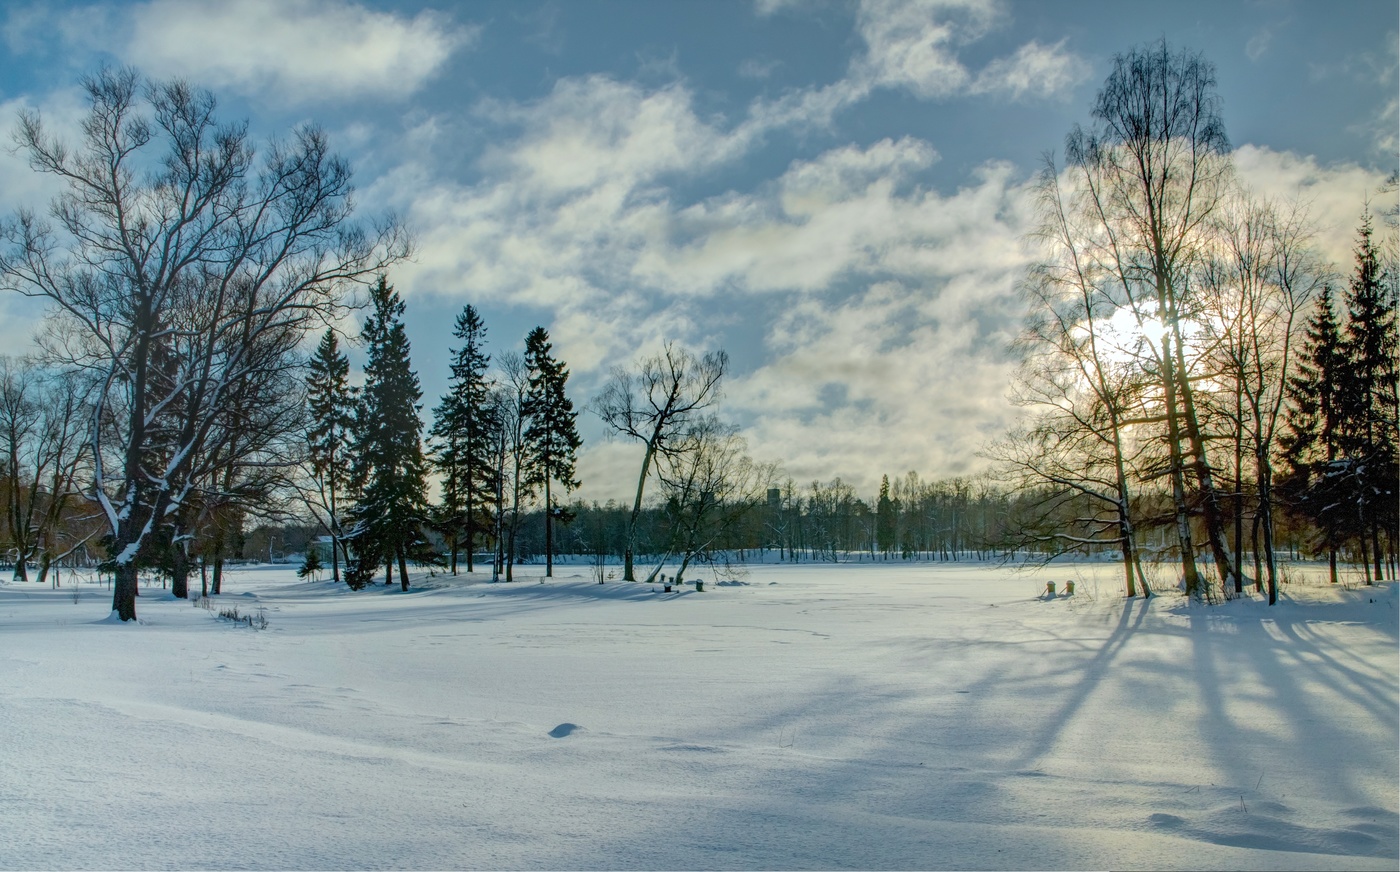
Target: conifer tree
{"type": "Point", "coordinates": [1311, 441]}
{"type": "Point", "coordinates": [1368, 406]}
{"type": "Point", "coordinates": [551, 435]}
{"type": "Point", "coordinates": [465, 428]}
{"type": "Point", "coordinates": [885, 518]}
{"type": "Point", "coordinates": [390, 468]}
{"type": "Point", "coordinates": [332, 402]}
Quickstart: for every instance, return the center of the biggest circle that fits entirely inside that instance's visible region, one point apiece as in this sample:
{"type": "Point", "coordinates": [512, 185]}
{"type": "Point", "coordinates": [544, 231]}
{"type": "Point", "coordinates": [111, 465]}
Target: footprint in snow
{"type": "Point", "coordinates": [563, 730]}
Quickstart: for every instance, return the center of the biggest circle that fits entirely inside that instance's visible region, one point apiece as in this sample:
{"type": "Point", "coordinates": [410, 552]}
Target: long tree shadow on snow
{"type": "Point", "coordinates": [960, 750]}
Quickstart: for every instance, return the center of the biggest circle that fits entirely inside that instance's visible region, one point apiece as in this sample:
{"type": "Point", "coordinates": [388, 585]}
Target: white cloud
{"type": "Point", "coordinates": [292, 50]}
{"type": "Point", "coordinates": [885, 381]}
{"type": "Point", "coordinates": [597, 130]}
{"type": "Point", "coordinates": [915, 45]}
{"type": "Point", "coordinates": [765, 8]}
{"type": "Point", "coordinates": [62, 112]}
{"type": "Point", "coordinates": [757, 69]}
{"type": "Point", "coordinates": [882, 281]}
{"type": "Point", "coordinates": [1034, 70]}
{"type": "Point", "coordinates": [1335, 195]}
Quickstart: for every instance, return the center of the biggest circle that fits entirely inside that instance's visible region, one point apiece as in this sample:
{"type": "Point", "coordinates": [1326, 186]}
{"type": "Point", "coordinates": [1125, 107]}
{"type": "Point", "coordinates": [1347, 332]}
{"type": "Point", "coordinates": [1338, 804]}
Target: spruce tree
{"type": "Point", "coordinates": [1368, 403]}
{"type": "Point", "coordinates": [885, 518]}
{"type": "Point", "coordinates": [551, 436]}
{"type": "Point", "coordinates": [390, 468]}
{"type": "Point", "coordinates": [332, 402]}
{"type": "Point", "coordinates": [1311, 441]}
{"type": "Point", "coordinates": [464, 430]}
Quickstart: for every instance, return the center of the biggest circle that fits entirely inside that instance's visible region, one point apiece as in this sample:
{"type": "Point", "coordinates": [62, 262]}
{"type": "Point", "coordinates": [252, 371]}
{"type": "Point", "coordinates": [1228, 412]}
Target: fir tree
{"type": "Point", "coordinates": [551, 436]}
{"type": "Point", "coordinates": [464, 430]}
{"type": "Point", "coordinates": [1311, 439]}
{"type": "Point", "coordinates": [390, 468]}
{"type": "Point", "coordinates": [1367, 400]}
{"type": "Point", "coordinates": [311, 565]}
{"type": "Point", "coordinates": [885, 518]}
{"type": "Point", "coordinates": [332, 403]}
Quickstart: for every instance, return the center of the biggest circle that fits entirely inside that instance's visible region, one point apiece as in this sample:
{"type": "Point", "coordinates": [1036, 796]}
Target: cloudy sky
{"type": "Point", "coordinates": [833, 191]}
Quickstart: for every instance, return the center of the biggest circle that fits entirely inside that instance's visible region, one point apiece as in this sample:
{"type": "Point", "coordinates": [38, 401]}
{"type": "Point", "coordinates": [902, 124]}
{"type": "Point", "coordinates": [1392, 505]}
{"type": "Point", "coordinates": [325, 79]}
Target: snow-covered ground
{"type": "Point", "coordinates": [811, 716]}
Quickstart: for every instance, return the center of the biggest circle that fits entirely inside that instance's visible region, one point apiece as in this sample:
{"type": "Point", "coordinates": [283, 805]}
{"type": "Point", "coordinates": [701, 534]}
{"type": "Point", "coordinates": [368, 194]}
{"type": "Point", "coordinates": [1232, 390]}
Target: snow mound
{"type": "Point", "coordinates": [564, 729]}
{"type": "Point", "coordinates": [115, 619]}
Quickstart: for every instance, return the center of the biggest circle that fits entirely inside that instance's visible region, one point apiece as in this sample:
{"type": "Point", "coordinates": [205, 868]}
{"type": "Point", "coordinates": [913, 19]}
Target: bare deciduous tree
{"type": "Point", "coordinates": [1078, 375]}
{"type": "Point", "coordinates": [1258, 280]}
{"type": "Point", "coordinates": [1149, 176]}
{"type": "Point", "coordinates": [42, 432]}
{"type": "Point", "coordinates": [711, 486]}
{"type": "Point", "coordinates": [656, 404]}
{"type": "Point", "coordinates": [512, 488]}
{"type": "Point", "coordinates": [175, 250]}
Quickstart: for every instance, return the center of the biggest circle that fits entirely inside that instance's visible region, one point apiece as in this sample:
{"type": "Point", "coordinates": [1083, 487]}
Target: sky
{"type": "Point", "coordinates": [834, 192]}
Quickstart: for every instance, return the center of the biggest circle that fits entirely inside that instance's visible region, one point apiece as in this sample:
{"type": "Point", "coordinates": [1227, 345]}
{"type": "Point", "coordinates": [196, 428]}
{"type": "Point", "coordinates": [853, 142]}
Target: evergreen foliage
{"type": "Point", "coordinates": [1368, 403]}
{"type": "Point", "coordinates": [1310, 444]}
{"type": "Point", "coordinates": [331, 402]}
{"type": "Point", "coordinates": [311, 566]}
{"type": "Point", "coordinates": [551, 436]}
{"type": "Point", "coordinates": [389, 470]}
{"type": "Point", "coordinates": [1341, 447]}
{"type": "Point", "coordinates": [885, 518]}
{"type": "Point", "coordinates": [465, 426]}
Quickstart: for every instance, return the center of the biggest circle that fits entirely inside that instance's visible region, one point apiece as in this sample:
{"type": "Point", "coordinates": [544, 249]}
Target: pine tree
{"type": "Point", "coordinates": [332, 403]}
{"type": "Point", "coordinates": [885, 518]}
{"type": "Point", "coordinates": [551, 436]}
{"type": "Point", "coordinates": [464, 430]}
{"type": "Point", "coordinates": [1311, 440]}
{"type": "Point", "coordinates": [390, 468]}
{"type": "Point", "coordinates": [1367, 398]}
{"type": "Point", "coordinates": [311, 565]}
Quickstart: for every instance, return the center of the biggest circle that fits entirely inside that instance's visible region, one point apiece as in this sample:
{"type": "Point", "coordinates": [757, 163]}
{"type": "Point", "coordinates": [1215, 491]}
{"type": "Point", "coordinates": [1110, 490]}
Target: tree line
{"type": "Point", "coordinates": [1199, 382]}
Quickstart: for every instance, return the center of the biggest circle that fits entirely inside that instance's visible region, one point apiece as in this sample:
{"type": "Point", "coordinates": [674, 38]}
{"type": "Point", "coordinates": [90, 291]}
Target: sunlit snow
{"type": "Point", "coordinates": [811, 716]}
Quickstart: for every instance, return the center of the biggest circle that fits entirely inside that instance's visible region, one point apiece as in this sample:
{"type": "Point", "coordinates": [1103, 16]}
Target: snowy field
{"type": "Point", "coordinates": [816, 716]}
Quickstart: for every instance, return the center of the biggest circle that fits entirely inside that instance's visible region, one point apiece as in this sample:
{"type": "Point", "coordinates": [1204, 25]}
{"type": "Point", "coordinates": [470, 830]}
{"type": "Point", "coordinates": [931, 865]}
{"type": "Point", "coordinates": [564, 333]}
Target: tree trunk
{"type": "Point", "coordinates": [179, 568]}
{"type": "Point", "coordinates": [1239, 494]}
{"type": "Point", "coordinates": [629, 552]}
{"type": "Point", "coordinates": [548, 532]}
{"type": "Point", "coordinates": [403, 571]}
{"type": "Point", "coordinates": [1255, 545]}
{"type": "Point", "coordinates": [1364, 553]}
{"type": "Point", "coordinates": [1185, 546]}
{"type": "Point", "coordinates": [468, 506]}
{"type": "Point", "coordinates": [1376, 551]}
{"type": "Point", "coordinates": [1210, 496]}
{"type": "Point", "coordinates": [680, 573]}
{"type": "Point", "coordinates": [124, 591]}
